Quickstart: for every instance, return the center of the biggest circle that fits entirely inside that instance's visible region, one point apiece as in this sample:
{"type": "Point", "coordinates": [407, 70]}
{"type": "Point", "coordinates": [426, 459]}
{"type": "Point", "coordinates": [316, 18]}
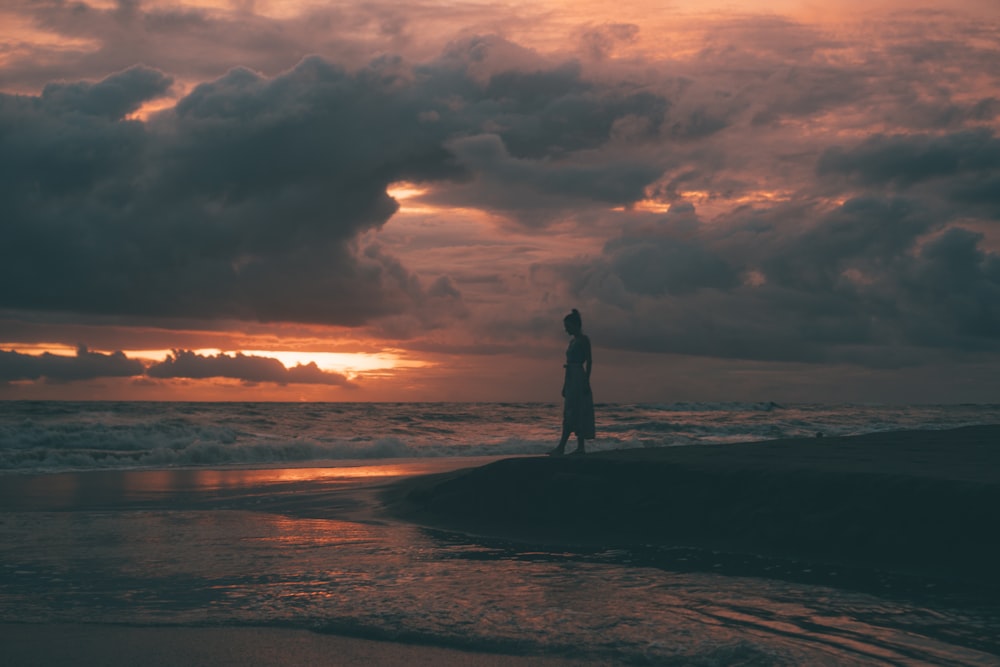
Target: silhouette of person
{"type": "Point", "coordinates": [578, 400]}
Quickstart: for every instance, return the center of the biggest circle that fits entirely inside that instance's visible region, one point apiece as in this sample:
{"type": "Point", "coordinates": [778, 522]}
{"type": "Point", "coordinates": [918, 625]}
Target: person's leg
{"type": "Point", "coordinates": [561, 447]}
{"type": "Point", "coordinates": [579, 445]}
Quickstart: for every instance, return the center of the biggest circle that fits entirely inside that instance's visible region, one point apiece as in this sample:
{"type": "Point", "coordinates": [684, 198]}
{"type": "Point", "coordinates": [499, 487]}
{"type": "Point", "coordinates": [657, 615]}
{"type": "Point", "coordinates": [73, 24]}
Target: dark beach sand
{"type": "Point", "coordinates": [923, 503]}
{"type": "Point", "coordinates": [83, 645]}
{"type": "Point", "coordinates": [303, 492]}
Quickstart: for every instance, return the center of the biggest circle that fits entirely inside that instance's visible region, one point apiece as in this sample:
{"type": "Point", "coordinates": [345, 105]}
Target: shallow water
{"type": "Point", "coordinates": [307, 548]}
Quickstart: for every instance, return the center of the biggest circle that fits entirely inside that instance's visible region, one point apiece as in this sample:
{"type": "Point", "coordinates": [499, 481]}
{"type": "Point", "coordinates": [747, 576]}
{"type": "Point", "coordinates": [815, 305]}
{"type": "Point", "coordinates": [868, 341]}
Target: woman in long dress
{"type": "Point", "coordinates": [578, 400]}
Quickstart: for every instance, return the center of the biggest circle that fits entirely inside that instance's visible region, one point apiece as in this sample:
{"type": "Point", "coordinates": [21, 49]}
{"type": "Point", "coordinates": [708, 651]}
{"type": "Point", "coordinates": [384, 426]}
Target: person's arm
{"type": "Point", "coordinates": [588, 361]}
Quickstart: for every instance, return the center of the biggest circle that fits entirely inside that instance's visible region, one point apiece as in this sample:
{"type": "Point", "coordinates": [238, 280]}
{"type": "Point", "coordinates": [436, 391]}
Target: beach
{"type": "Point", "coordinates": [869, 550]}
{"type": "Point", "coordinates": [93, 646]}
{"type": "Point", "coordinates": [925, 502]}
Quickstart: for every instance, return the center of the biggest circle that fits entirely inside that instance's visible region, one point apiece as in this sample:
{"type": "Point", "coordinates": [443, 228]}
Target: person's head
{"type": "Point", "coordinates": [573, 322]}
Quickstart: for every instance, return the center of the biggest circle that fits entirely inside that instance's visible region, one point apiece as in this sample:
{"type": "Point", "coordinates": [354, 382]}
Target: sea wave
{"type": "Point", "coordinates": [201, 453]}
{"type": "Point", "coordinates": [52, 436]}
{"type": "Point", "coordinates": [687, 406]}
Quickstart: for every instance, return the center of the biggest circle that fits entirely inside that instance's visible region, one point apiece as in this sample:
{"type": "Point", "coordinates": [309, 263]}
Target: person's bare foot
{"type": "Point", "coordinates": [577, 452]}
{"type": "Point", "coordinates": [558, 451]}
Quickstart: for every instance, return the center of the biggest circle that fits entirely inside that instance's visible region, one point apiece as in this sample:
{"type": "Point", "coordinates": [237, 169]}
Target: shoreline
{"type": "Point", "coordinates": [207, 487]}
{"type": "Point", "coordinates": [713, 497]}
{"type": "Point", "coordinates": [83, 644]}
{"type": "Point", "coordinates": [923, 503]}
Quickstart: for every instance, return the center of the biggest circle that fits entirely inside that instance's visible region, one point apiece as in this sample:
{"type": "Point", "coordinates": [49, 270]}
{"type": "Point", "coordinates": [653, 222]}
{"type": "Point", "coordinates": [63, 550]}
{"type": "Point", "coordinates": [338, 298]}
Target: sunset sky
{"type": "Point", "coordinates": [279, 200]}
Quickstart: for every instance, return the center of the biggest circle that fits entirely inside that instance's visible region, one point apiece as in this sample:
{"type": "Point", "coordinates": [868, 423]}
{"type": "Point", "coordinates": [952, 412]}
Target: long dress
{"type": "Point", "coordinates": [578, 403]}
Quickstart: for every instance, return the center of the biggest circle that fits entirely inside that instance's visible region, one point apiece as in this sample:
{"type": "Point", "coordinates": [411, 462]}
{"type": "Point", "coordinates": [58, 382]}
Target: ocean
{"type": "Point", "coordinates": [263, 514]}
{"type": "Point", "coordinates": [58, 436]}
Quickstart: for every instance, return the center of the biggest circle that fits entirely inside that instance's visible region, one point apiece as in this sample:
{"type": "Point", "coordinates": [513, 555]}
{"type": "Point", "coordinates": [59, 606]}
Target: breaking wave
{"type": "Point", "coordinates": [53, 436]}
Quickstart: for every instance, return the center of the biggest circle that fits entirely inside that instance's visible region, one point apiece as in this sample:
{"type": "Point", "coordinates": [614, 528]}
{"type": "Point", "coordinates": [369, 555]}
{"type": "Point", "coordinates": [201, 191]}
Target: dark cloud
{"type": "Point", "coordinates": [789, 92]}
{"type": "Point", "coordinates": [866, 234]}
{"type": "Point", "coordinates": [257, 197]}
{"type": "Point", "coordinates": [879, 282]}
{"type": "Point", "coordinates": [952, 292]}
{"type": "Point", "coordinates": [532, 188]}
{"type": "Point", "coordinates": [443, 287]}
{"type": "Point", "coordinates": [906, 160]}
{"type": "Point", "coordinates": [242, 203]}
{"type": "Point", "coordinates": [960, 170]}
{"type": "Point", "coordinates": [668, 258]}
{"type": "Point", "coordinates": [248, 368]}
{"type": "Point", "coordinates": [85, 365]}
{"type": "Point", "coordinates": [556, 111]}
{"type": "Point", "coordinates": [246, 200]}
{"type": "Point", "coordinates": [113, 97]}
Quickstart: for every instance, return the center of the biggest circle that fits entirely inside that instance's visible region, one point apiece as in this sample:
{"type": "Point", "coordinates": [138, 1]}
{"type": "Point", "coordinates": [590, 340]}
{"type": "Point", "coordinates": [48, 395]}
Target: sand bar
{"type": "Point", "coordinates": [923, 502]}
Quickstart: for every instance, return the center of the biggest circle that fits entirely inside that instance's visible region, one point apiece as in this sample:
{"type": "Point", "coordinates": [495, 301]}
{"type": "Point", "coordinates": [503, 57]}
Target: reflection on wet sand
{"type": "Point", "coordinates": [113, 489]}
{"type": "Point", "coordinates": [308, 548]}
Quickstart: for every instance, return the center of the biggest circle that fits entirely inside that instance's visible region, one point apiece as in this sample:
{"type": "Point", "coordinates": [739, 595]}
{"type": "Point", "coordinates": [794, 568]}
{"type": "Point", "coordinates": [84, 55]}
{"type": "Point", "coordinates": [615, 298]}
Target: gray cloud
{"type": "Point", "coordinates": [960, 170]}
{"type": "Point", "coordinates": [193, 43]}
{"type": "Point", "coordinates": [242, 203]}
{"type": "Point", "coordinates": [554, 111]}
{"type": "Point", "coordinates": [880, 282]}
{"type": "Point", "coordinates": [951, 293]}
{"type": "Point", "coordinates": [532, 190]}
{"type": "Point", "coordinates": [85, 365]}
{"type": "Point", "coordinates": [868, 234]}
{"type": "Point", "coordinates": [256, 197]}
{"type": "Point", "coordinates": [669, 258]}
{"type": "Point", "coordinates": [239, 366]}
{"type": "Point", "coordinates": [906, 160]}
{"type": "Point", "coordinates": [246, 200]}
{"type": "Point", "coordinates": [113, 97]}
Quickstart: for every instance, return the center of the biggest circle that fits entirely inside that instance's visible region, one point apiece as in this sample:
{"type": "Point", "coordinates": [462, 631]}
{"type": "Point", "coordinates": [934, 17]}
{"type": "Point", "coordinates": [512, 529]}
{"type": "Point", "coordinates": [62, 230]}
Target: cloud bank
{"type": "Point", "coordinates": [248, 368]}
{"type": "Point", "coordinates": [762, 188]}
{"type": "Point", "coordinates": [248, 199]}
{"type": "Point", "coordinates": [87, 365]}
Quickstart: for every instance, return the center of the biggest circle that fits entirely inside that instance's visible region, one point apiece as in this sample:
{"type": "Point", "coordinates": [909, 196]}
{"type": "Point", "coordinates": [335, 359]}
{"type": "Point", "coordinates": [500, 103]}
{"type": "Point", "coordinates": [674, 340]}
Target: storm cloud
{"type": "Point", "coordinates": [247, 199]}
{"type": "Point", "coordinates": [961, 168]}
{"type": "Point", "coordinates": [780, 188]}
{"type": "Point", "coordinates": [873, 281]}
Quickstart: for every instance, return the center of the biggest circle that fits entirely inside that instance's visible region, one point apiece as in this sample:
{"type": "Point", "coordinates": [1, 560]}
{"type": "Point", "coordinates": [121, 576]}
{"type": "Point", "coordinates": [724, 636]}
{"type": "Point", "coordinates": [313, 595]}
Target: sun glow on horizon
{"type": "Point", "coordinates": [350, 364]}
{"type": "Point", "coordinates": [55, 349]}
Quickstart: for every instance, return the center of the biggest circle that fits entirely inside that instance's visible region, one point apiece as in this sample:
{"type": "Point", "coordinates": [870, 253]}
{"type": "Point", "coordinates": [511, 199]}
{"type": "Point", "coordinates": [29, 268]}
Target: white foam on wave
{"type": "Point", "coordinates": [198, 451]}
{"type": "Point", "coordinates": [37, 437]}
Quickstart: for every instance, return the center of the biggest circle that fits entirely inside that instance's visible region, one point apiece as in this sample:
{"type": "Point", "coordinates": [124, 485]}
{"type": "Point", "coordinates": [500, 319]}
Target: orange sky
{"type": "Point", "coordinates": [399, 201]}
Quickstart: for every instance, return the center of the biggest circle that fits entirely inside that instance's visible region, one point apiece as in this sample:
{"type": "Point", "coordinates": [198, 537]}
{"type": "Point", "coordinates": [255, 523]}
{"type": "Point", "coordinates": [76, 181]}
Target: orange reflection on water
{"type": "Point", "coordinates": [109, 489]}
{"type": "Point", "coordinates": [354, 472]}
{"type": "Point", "coordinates": [310, 533]}
{"type": "Point", "coordinates": [141, 483]}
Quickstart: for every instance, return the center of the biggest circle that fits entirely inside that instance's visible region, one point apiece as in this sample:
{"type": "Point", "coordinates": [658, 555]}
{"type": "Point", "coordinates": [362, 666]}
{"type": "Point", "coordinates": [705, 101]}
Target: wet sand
{"type": "Point", "coordinates": [304, 491]}
{"type": "Point", "coordinates": [918, 502]}
{"type": "Point", "coordinates": [913, 502]}
{"type": "Point", "coordinates": [83, 645]}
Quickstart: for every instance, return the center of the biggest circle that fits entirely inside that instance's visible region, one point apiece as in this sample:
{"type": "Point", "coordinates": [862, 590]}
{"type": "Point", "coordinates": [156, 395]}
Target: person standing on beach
{"type": "Point", "coordinates": [578, 400]}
